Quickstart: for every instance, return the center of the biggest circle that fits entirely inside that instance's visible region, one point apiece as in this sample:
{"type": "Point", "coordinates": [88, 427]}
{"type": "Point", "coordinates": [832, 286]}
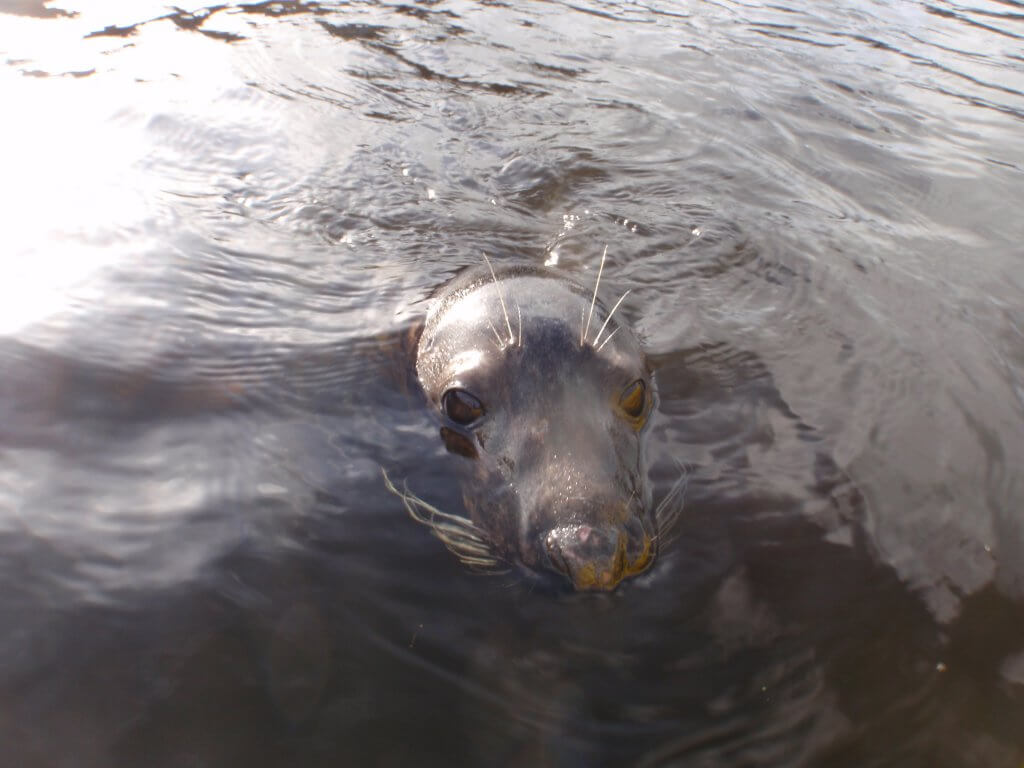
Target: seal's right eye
{"type": "Point", "coordinates": [634, 399]}
{"type": "Point", "coordinates": [461, 407]}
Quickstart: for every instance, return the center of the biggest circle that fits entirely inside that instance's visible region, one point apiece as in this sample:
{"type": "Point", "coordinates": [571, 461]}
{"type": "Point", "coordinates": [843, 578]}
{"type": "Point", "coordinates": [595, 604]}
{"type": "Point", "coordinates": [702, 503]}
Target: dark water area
{"type": "Point", "coordinates": [220, 224]}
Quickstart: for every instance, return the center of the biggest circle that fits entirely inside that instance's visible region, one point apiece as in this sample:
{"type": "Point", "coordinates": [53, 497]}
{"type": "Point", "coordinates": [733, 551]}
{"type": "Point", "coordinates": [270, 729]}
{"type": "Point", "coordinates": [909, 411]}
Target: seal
{"type": "Point", "coordinates": [547, 399]}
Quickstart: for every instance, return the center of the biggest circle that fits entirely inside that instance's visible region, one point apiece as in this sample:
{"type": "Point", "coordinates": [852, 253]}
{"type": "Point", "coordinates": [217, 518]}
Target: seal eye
{"type": "Point", "coordinates": [634, 399]}
{"type": "Point", "coordinates": [461, 407]}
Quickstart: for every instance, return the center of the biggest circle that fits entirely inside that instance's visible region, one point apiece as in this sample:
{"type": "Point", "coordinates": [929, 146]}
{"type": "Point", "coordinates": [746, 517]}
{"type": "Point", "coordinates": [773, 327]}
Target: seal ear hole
{"type": "Point", "coordinates": [461, 407]}
{"type": "Point", "coordinates": [634, 399]}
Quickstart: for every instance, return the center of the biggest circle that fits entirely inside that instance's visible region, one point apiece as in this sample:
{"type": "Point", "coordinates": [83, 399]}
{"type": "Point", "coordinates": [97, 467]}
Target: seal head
{"type": "Point", "coordinates": [546, 397]}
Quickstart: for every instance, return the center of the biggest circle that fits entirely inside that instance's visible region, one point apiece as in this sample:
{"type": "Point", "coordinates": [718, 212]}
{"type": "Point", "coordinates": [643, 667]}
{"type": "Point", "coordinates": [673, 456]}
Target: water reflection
{"type": "Point", "coordinates": [222, 224]}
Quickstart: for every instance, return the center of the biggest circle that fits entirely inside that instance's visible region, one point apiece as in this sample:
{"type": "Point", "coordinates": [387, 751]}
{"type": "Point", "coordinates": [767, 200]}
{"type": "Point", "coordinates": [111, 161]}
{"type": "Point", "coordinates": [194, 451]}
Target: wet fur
{"type": "Point", "coordinates": [486, 548]}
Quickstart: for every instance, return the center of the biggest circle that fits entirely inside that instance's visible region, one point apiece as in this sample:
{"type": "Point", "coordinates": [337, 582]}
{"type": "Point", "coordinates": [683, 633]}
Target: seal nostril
{"type": "Point", "coordinates": [555, 554]}
{"type": "Point", "coordinates": [590, 557]}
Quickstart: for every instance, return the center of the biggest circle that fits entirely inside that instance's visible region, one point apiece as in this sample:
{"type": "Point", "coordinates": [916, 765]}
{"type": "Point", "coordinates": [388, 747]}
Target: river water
{"type": "Point", "coordinates": [219, 225]}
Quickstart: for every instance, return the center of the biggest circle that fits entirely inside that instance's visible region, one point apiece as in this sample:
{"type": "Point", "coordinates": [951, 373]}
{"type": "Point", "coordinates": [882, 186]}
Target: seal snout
{"type": "Point", "coordinates": [596, 558]}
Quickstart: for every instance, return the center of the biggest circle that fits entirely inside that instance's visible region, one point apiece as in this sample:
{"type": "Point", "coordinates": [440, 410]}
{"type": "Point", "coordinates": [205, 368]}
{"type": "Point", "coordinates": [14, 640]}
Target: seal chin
{"type": "Point", "coordinates": [597, 559]}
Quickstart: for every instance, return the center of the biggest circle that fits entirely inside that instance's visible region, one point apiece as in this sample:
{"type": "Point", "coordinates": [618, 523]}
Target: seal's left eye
{"type": "Point", "coordinates": [461, 407]}
{"type": "Point", "coordinates": [634, 399]}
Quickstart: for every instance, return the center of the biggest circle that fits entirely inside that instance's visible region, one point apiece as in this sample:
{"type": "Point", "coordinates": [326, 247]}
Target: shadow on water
{"type": "Point", "coordinates": [756, 639]}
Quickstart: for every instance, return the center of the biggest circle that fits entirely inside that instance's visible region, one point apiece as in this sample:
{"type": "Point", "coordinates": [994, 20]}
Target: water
{"type": "Point", "coordinates": [220, 223]}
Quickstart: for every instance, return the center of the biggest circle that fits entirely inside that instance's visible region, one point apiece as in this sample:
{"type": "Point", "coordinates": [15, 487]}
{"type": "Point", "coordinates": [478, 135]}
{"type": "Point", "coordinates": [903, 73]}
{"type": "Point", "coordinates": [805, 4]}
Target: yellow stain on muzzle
{"type": "Point", "coordinates": [594, 576]}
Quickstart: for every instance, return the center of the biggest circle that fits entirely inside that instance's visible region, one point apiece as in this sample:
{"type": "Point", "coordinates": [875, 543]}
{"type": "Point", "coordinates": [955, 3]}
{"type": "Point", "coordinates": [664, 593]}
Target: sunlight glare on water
{"type": "Point", "coordinates": [79, 186]}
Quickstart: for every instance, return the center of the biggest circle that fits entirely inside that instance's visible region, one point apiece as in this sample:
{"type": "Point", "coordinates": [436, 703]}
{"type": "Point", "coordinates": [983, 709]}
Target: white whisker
{"type": "Point", "coordinates": [607, 339]}
{"type": "Point", "coordinates": [608, 319]}
{"type": "Point", "coordinates": [519, 311]}
{"type": "Point", "coordinates": [479, 562]}
{"type": "Point", "coordinates": [668, 512]}
{"type": "Point", "coordinates": [459, 535]}
{"type": "Point", "coordinates": [593, 300]}
{"type": "Point", "coordinates": [494, 277]}
{"type": "Point", "coordinates": [496, 334]}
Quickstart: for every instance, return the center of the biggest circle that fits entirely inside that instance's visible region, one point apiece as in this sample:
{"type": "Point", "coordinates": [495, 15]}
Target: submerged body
{"type": "Point", "coordinates": [546, 397]}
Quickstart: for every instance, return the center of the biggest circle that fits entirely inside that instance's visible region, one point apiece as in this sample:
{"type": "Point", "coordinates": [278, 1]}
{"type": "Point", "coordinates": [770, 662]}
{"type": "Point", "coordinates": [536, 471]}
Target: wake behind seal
{"type": "Point", "coordinates": [546, 396]}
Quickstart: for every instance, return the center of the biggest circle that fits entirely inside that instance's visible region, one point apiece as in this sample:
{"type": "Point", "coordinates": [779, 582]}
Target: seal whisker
{"type": "Point", "coordinates": [519, 311]}
{"type": "Point", "coordinates": [481, 563]}
{"type": "Point", "coordinates": [485, 562]}
{"type": "Point", "coordinates": [465, 544]}
{"type": "Point", "coordinates": [593, 300]}
{"type": "Point", "coordinates": [668, 513]}
{"type": "Point", "coordinates": [460, 536]}
{"type": "Point", "coordinates": [494, 277]}
{"type": "Point", "coordinates": [667, 532]}
{"type": "Point", "coordinates": [608, 319]}
{"type": "Point", "coordinates": [470, 545]}
{"type": "Point", "coordinates": [495, 331]}
{"type": "Point", "coordinates": [607, 339]}
{"type": "Point", "coordinates": [451, 529]}
{"type": "Point", "coordinates": [408, 496]}
{"type": "Point", "coordinates": [669, 510]}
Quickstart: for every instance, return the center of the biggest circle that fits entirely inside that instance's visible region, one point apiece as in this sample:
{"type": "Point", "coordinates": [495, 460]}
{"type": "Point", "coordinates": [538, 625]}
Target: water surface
{"type": "Point", "coordinates": [221, 222]}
